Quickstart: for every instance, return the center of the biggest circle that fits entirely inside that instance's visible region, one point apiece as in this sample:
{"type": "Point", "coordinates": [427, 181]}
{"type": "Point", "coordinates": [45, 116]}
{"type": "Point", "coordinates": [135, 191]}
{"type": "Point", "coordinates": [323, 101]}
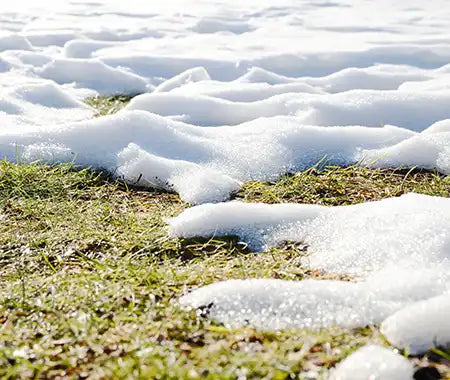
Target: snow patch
{"type": "Point", "coordinates": [373, 362]}
{"type": "Point", "coordinates": [411, 230]}
{"type": "Point", "coordinates": [279, 305]}
{"type": "Point", "coordinates": [262, 149]}
{"type": "Point", "coordinates": [420, 326]}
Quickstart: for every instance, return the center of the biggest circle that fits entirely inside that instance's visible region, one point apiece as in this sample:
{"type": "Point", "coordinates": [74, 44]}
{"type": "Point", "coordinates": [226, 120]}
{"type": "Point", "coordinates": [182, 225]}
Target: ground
{"type": "Point", "coordinates": [90, 278]}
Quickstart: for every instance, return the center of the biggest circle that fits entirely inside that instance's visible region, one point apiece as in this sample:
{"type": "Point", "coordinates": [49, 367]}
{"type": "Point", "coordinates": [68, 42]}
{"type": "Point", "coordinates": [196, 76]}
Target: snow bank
{"type": "Point", "coordinates": [93, 74]}
{"type": "Point", "coordinates": [373, 362]}
{"type": "Point", "coordinates": [420, 326]}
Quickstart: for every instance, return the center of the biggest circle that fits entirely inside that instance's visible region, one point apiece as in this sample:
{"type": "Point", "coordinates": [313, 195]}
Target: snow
{"type": "Point", "coordinates": [278, 304]}
{"type": "Point", "coordinates": [373, 362]}
{"type": "Point", "coordinates": [261, 149]}
{"type": "Point", "coordinates": [93, 74]}
{"type": "Point", "coordinates": [411, 230]}
{"type": "Point", "coordinates": [14, 42]}
{"type": "Point", "coordinates": [357, 107]}
{"type": "Point", "coordinates": [398, 249]}
{"type": "Point", "coordinates": [230, 91]}
{"type": "Point", "coordinates": [39, 103]}
{"type": "Point", "coordinates": [196, 74]}
{"type": "Point", "coordinates": [420, 326]}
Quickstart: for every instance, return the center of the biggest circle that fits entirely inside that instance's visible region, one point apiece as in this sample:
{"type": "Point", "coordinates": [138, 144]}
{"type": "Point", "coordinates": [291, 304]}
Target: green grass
{"type": "Point", "coordinates": [108, 105]}
{"type": "Point", "coordinates": [336, 186]}
{"type": "Point", "coordinates": [90, 279]}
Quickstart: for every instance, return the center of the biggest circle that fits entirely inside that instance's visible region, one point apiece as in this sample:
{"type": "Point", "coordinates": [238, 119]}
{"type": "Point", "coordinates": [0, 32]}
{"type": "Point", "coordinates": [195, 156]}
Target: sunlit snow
{"type": "Point", "coordinates": [229, 91]}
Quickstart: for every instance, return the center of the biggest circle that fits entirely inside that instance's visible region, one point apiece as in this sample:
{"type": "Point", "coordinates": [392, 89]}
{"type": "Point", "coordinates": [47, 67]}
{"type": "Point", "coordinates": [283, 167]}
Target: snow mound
{"type": "Point", "coordinates": [14, 42]}
{"type": "Point", "coordinates": [193, 181]}
{"type": "Point", "coordinates": [208, 111]}
{"type": "Point", "coordinates": [427, 151]}
{"type": "Point", "coordinates": [262, 149]}
{"type": "Point", "coordinates": [83, 48]}
{"type": "Point", "coordinates": [93, 74]}
{"type": "Point", "coordinates": [39, 103]}
{"type": "Point", "coordinates": [277, 304]}
{"type": "Point", "coordinates": [373, 362]}
{"type": "Point", "coordinates": [47, 95]}
{"type": "Point", "coordinates": [259, 75]}
{"type": "Point", "coordinates": [420, 326]}
{"type": "Point", "coordinates": [411, 230]}
{"type": "Point", "coordinates": [193, 75]}
{"type": "Point", "coordinates": [357, 107]}
{"type": "Point", "coordinates": [243, 92]}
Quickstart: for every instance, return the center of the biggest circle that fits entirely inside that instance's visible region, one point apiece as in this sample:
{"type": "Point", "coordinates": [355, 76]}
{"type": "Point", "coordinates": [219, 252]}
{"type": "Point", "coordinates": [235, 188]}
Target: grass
{"type": "Point", "coordinates": [108, 105]}
{"type": "Point", "coordinates": [89, 279]}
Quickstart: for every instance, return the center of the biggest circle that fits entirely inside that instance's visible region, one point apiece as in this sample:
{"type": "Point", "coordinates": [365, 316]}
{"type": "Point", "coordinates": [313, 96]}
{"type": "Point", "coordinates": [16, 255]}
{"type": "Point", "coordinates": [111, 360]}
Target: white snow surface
{"type": "Point", "coordinates": [204, 164]}
{"type": "Point", "coordinates": [266, 76]}
{"type": "Point", "coordinates": [420, 326]}
{"type": "Point", "coordinates": [373, 362]}
{"type": "Point", "coordinates": [411, 230]}
{"type": "Point", "coordinates": [398, 248]}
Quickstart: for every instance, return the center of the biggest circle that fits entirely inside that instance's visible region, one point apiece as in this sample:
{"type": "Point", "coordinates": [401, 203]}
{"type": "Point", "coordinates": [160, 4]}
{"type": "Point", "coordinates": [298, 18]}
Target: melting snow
{"type": "Point", "coordinates": [239, 90]}
{"type": "Point", "coordinates": [420, 326]}
{"type": "Point", "coordinates": [399, 247]}
{"type": "Point", "coordinates": [374, 362]}
{"type": "Point", "coordinates": [272, 104]}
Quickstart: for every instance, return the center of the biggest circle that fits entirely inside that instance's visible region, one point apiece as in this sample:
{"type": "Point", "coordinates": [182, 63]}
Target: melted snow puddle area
{"type": "Point", "coordinates": [230, 91]}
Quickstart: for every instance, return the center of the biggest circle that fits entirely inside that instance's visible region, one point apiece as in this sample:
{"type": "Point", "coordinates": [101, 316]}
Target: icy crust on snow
{"type": "Point", "coordinates": [420, 326]}
{"type": "Point", "coordinates": [373, 362]}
